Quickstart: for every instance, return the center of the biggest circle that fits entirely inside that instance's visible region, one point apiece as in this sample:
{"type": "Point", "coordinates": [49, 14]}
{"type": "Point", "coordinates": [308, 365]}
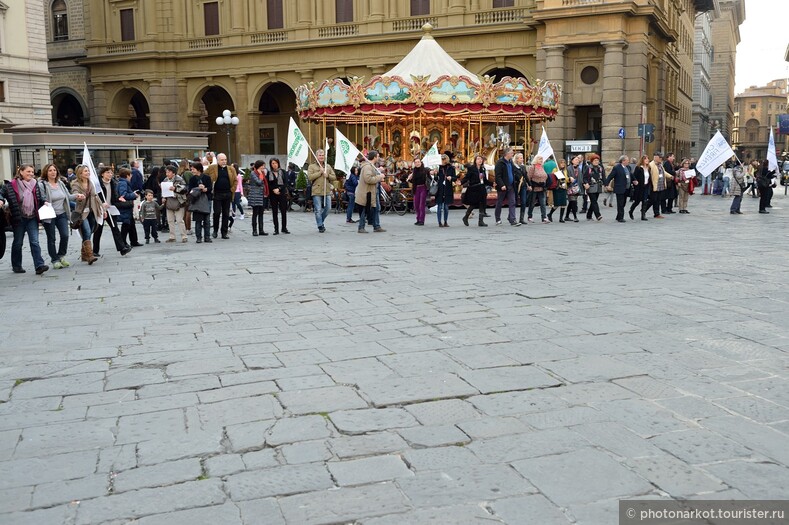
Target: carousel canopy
{"type": "Point", "coordinates": [428, 83]}
{"type": "Point", "coordinates": [430, 61]}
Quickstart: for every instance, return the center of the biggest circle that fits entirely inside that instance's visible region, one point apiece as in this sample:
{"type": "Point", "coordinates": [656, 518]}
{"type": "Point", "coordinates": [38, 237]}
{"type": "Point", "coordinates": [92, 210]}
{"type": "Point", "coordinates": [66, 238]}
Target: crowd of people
{"type": "Point", "coordinates": [208, 192]}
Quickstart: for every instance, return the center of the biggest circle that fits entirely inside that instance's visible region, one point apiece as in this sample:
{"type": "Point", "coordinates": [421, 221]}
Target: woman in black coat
{"type": "Point", "coordinates": [278, 195]}
{"type": "Point", "coordinates": [446, 190]}
{"type": "Point", "coordinates": [477, 189]}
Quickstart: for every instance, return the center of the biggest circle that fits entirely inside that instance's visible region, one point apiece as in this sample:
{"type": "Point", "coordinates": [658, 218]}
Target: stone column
{"type": "Point", "coordinates": [376, 9]}
{"type": "Point", "coordinates": [320, 18]}
{"type": "Point", "coordinates": [244, 128]}
{"type": "Point", "coordinates": [554, 72]}
{"type": "Point", "coordinates": [182, 105]}
{"type": "Point", "coordinates": [99, 109]}
{"type": "Point", "coordinates": [636, 93]}
{"type": "Point", "coordinates": [457, 6]}
{"type": "Point", "coordinates": [149, 13]}
{"type": "Point", "coordinates": [613, 100]}
{"type": "Point", "coordinates": [237, 15]}
{"type": "Point", "coordinates": [303, 13]}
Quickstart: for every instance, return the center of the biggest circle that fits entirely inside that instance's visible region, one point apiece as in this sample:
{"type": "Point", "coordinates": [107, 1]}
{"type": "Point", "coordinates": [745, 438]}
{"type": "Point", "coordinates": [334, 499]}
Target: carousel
{"type": "Point", "coordinates": [430, 98]}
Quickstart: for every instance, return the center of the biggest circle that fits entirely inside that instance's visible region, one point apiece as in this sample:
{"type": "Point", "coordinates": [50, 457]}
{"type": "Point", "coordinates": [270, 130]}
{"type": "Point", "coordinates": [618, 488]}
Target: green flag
{"type": "Point", "coordinates": [346, 152]}
{"type": "Point", "coordinates": [298, 149]}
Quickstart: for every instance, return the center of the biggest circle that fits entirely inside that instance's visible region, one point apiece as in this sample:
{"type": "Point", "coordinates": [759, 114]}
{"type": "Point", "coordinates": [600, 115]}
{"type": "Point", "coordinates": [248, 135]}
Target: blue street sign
{"type": "Point", "coordinates": [621, 133]}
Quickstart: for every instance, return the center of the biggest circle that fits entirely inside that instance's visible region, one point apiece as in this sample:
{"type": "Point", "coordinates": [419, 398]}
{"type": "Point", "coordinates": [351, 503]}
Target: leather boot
{"type": "Point", "coordinates": [467, 215]}
{"type": "Point", "coordinates": [88, 249]}
{"type": "Point", "coordinates": [83, 254]}
{"type": "Point", "coordinates": [254, 229]}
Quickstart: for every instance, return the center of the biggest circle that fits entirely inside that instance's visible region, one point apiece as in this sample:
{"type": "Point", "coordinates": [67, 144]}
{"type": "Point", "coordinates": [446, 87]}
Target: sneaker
{"type": "Point", "coordinates": [147, 241]}
{"type": "Point", "coordinates": [241, 217]}
{"type": "Point", "coordinates": [322, 229]}
{"type": "Point", "coordinates": [199, 241]}
{"type": "Point", "coordinates": [515, 224]}
{"type": "Point", "coordinates": [546, 221]}
{"type": "Point", "coordinates": [184, 240]}
{"type": "Point", "coordinates": [351, 221]}
{"type": "Point", "coordinates": [57, 265]}
{"type": "Point", "coordinates": [381, 230]}
{"type": "Point", "coordinates": [189, 232]}
{"type": "Point", "coordinates": [64, 263]}
{"type": "Point", "coordinates": [170, 240]}
{"type": "Point", "coordinates": [361, 230]}
{"type": "Point", "coordinates": [498, 223]}
{"type": "Point", "coordinates": [531, 220]}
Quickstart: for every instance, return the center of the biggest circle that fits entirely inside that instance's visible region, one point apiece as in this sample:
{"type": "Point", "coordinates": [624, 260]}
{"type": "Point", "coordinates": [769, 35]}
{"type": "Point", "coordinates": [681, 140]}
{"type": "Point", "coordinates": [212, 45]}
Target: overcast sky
{"type": "Point", "coordinates": [763, 41]}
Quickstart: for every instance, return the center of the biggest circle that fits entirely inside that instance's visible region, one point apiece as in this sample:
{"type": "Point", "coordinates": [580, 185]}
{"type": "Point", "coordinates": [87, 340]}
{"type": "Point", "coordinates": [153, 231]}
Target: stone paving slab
{"type": "Point", "coordinates": [330, 385]}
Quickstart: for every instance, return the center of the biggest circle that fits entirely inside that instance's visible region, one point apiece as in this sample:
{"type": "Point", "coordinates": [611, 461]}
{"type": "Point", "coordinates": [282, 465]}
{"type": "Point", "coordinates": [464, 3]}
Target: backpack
{"type": "Point", "coordinates": [552, 183]}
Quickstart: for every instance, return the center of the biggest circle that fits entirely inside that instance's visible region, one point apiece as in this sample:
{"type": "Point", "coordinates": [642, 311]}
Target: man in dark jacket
{"type": "Point", "coordinates": [671, 188]}
{"type": "Point", "coordinates": [505, 185]}
{"type": "Point", "coordinates": [620, 174]}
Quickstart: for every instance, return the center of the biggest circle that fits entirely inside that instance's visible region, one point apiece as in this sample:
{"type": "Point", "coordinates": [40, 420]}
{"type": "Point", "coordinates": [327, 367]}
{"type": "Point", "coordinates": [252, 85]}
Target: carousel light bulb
{"type": "Point", "coordinates": [226, 113]}
{"type": "Point", "coordinates": [219, 121]}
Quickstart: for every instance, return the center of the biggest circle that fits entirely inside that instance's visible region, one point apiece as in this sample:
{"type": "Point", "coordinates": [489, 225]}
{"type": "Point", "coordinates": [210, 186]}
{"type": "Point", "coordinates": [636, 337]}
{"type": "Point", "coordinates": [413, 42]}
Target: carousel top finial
{"type": "Point", "coordinates": [427, 28]}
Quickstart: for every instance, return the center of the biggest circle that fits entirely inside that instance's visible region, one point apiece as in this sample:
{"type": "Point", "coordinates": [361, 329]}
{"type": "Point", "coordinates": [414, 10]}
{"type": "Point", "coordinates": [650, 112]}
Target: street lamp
{"type": "Point", "coordinates": [229, 122]}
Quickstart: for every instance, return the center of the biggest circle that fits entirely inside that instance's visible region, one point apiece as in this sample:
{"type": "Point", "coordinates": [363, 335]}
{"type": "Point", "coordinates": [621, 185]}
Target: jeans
{"type": "Point", "coordinates": [29, 227]}
{"type": "Point", "coordinates": [420, 203]}
{"type": "Point", "coordinates": [443, 210]}
{"type": "Point", "coordinates": [59, 223]}
{"type": "Point", "coordinates": [88, 227]}
{"type": "Point", "coordinates": [706, 185]}
{"type": "Point", "coordinates": [509, 196]}
{"type": "Point", "coordinates": [351, 201]}
{"type": "Point", "coordinates": [726, 189]}
{"type": "Point", "coordinates": [237, 203]}
{"type": "Point", "coordinates": [537, 196]}
{"type": "Point", "coordinates": [202, 225]}
{"type": "Point", "coordinates": [321, 204]}
{"type": "Point", "coordinates": [149, 227]}
{"type": "Point", "coordinates": [524, 196]}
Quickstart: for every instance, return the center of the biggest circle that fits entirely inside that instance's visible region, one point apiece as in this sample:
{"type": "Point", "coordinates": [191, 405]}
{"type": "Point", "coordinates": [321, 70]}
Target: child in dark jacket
{"type": "Point", "coordinates": [150, 213]}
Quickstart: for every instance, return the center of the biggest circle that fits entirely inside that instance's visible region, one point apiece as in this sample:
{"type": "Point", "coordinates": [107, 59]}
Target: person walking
{"type": "Point", "coordinates": [445, 195]}
{"type": "Point", "coordinates": [175, 208]}
{"type": "Point", "coordinates": [766, 185]}
{"type": "Point", "coordinates": [55, 192]}
{"type": "Point", "coordinates": [258, 191]}
{"type": "Point", "coordinates": [538, 180]}
{"type": "Point", "coordinates": [366, 193]}
{"type": "Point", "coordinates": [505, 179]}
{"type": "Point", "coordinates": [200, 194]}
{"type": "Point", "coordinates": [593, 184]}
{"type": "Point", "coordinates": [418, 180]}
{"type": "Point", "coordinates": [560, 192]}
{"type": "Point", "coordinates": [476, 195]}
{"type": "Point", "coordinates": [620, 176]}
{"type": "Point", "coordinates": [670, 193]}
{"type": "Point", "coordinates": [641, 185]}
{"type": "Point", "coordinates": [109, 189]}
{"type": "Point", "coordinates": [657, 181]}
{"type": "Point", "coordinates": [89, 211]}
{"type": "Point", "coordinates": [278, 196]}
{"type": "Point", "coordinates": [737, 191]}
{"type": "Point", "coordinates": [682, 184]}
{"type": "Point", "coordinates": [349, 186]}
{"type": "Point", "coordinates": [321, 176]}
{"type": "Point", "coordinates": [521, 185]}
{"type": "Point", "coordinates": [149, 217]}
{"type": "Point", "coordinates": [223, 180]}
{"type": "Point", "coordinates": [125, 205]}
{"type": "Point", "coordinates": [237, 194]}
{"type": "Point", "coordinates": [23, 195]}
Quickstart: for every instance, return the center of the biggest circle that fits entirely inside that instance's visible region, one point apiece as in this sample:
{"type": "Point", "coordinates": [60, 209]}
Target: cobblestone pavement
{"type": "Point", "coordinates": [418, 376]}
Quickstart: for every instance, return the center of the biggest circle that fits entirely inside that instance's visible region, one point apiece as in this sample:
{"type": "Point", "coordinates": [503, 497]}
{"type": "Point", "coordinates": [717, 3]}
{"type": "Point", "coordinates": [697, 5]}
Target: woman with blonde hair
{"type": "Point", "coordinates": [537, 179]}
{"type": "Point", "coordinates": [54, 191]}
{"type": "Point", "coordinates": [23, 196]}
{"type": "Point", "coordinates": [88, 213]}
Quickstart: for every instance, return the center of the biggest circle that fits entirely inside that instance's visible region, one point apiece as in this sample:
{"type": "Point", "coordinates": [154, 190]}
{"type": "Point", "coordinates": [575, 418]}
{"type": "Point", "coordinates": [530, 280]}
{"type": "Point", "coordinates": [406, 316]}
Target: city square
{"type": "Point", "coordinates": [459, 375]}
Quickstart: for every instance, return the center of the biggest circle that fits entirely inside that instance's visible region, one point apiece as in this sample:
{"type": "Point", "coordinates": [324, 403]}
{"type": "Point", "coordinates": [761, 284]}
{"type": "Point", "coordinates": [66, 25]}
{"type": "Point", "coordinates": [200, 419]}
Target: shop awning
{"type": "Point", "coordinates": [61, 137]}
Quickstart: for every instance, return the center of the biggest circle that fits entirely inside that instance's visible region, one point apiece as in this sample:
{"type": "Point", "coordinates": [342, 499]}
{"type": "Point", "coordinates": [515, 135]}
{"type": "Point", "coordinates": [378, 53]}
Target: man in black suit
{"type": "Point", "coordinates": [505, 182]}
{"type": "Point", "coordinates": [671, 187]}
{"type": "Point", "coordinates": [620, 174]}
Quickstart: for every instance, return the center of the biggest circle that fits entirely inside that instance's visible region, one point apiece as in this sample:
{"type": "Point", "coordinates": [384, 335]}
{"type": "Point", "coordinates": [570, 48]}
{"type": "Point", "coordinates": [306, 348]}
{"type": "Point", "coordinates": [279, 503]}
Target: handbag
{"type": "Point", "coordinates": [433, 186]}
{"type": "Point", "coordinates": [75, 220]}
{"type": "Point", "coordinates": [572, 189]}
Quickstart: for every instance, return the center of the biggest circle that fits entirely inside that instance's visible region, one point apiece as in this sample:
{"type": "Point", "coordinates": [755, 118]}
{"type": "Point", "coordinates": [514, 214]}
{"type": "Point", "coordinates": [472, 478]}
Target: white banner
{"type": "Point", "coordinates": [716, 153]}
{"type": "Point", "coordinates": [298, 149]}
{"type": "Point", "coordinates": [432, 157]}
{"type": "Point", "coordinates": [346, 152]}
{"type": "Point", "coordinates": [772, 160]}
{"type": "Point", "coordinates": [88, 161]}
{"type": "Point", "coordinates": [544, 150]}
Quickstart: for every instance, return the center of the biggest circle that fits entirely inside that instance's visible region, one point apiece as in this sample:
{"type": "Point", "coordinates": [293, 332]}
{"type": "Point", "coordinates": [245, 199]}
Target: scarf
{"type": "Point", "coordinates": [28, 203]}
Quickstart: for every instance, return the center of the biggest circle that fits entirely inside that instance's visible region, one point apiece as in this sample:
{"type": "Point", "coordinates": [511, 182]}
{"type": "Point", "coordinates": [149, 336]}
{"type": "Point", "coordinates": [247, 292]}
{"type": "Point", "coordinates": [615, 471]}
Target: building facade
{"type": "Point", "coordinates": [756, 110]}
{"type": "Point", "coordinates": [702, 90]}
{"type": "Point", "coordinates": [24, 72]}
{"type": "Point", "coordinates": [725, 37]}
{"type": "Point", "coordinates": [167, 64]}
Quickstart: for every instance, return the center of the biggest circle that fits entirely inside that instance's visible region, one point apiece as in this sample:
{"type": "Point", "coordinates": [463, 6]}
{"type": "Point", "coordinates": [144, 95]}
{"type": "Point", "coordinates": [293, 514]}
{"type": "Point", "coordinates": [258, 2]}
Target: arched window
{"type": "Point", "coordinates": [59, 20]}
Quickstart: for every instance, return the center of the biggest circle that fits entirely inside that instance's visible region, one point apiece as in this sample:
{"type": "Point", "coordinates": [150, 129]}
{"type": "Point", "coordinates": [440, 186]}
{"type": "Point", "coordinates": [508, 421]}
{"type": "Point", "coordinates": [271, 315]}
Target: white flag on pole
{"type": "Point", "coordinates": [432, 157]}
{"type": "Point", "coordinates": [298, 149]}
{"type": "Point", "coordinates": [544, 150]}
{"type": "Point", "coordinates": [716, 153]}
{"type": "Point", "coordinates": [346, 152]}
{"type": "Point", "coordinates": [772, 160]}
{"type": "Point", "coordinates": [87, 161]}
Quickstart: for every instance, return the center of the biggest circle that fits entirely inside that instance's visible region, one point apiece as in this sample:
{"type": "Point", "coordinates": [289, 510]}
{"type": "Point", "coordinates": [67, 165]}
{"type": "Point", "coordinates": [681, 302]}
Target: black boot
{"type": "Point", "coordinates": [561, 214]}
{"type": "Point", "coordinates": [550, 214]}
{"type": "Point", "coordinates": [467, 215]}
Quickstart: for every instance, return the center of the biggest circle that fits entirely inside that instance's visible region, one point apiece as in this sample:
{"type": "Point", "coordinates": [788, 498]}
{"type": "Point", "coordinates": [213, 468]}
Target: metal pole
{"type": "Point", "coordinates": [227, 128]}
